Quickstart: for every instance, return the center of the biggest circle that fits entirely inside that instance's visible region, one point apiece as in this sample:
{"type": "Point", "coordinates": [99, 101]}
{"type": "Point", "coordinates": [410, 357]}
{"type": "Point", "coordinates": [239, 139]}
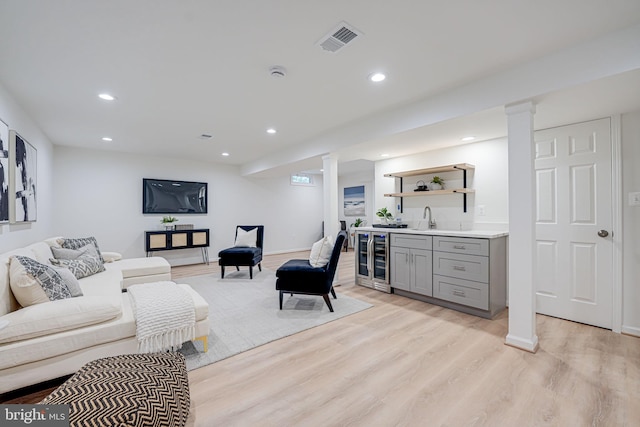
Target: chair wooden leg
{"type": "Point", "coordinates": [260, 266]}
{"type": "Point", "coordinates": [222, 271]}
{"type": "Point", "coordinates": [333, 293]}
{"type": "Point", "coordinates": [328, 301]}
{"type": "Point", "coordinates": [250, 272]}
{"type": "Point", "coordinates": [237, 268]}
{"type": "Point", "coordinates": [281, 299]}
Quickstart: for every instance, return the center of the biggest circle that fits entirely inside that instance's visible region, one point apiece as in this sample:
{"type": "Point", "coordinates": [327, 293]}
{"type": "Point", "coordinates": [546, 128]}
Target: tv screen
{"type": "Point", "coordinates": [161, 196]}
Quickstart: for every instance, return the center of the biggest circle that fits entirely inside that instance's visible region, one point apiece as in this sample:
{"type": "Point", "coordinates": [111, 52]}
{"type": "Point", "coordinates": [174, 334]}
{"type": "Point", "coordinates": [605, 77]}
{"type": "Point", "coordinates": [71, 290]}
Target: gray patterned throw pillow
{"type": "Point", "coordinates": [52, 283]}
{"type": "Point", "coordinates": [80, 242]}
{"type": "Point", "coordinates": [82, 266]}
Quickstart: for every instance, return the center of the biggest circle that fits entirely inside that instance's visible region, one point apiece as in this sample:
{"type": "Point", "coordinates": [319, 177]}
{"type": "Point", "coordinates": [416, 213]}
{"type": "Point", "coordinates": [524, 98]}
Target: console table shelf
{"type": "Point", "coordinates": [178, 239]}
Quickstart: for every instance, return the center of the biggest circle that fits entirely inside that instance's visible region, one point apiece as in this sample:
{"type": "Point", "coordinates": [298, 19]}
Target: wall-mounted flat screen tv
{"type": "Point", "coordinates": [162, 196]}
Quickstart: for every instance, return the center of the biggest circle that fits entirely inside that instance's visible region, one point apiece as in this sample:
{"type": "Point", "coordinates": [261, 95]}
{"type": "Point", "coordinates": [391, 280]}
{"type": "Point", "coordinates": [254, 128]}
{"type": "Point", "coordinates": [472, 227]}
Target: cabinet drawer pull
{"type": "Point", "coordinates": [459, 268]}
{"type": "Point", "coordinates": [458, 293]}
{"type": "Point", "coordinates": [459, 247]}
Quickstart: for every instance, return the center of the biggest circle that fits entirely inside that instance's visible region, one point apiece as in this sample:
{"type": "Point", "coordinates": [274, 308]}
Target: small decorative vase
{"type": "Point", "coordinates": [169, 227]}
{"type": "Point", "coordinates": [435, 186]}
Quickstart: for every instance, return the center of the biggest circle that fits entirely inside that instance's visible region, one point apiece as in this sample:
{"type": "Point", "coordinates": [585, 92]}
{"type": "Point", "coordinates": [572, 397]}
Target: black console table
{"type": "Point", "coordinates": [178, 239]}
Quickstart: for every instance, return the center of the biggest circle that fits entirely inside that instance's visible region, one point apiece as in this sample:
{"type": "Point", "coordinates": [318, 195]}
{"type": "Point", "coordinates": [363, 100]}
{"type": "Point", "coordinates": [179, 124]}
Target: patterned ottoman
{"type": "Point", "coordinates": [129, 390]}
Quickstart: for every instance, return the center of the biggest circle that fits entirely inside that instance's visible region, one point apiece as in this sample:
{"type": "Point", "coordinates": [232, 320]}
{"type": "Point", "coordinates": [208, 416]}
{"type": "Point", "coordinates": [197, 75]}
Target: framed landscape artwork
{"type": "Point", "coordinates": [24, 163]}
{"type": "Point", "coordinates": [354, 201]}
{"type": "Point", "coordinates": [4, 172]}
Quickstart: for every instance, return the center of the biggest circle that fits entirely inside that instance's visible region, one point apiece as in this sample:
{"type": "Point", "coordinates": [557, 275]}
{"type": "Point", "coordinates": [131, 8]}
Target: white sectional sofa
{"type": "Point", "coordinates": [56, 338]}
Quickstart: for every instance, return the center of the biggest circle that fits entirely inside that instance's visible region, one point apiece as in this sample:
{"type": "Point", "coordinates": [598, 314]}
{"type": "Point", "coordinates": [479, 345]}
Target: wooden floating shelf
{"type": "Point", "coordinates": [431, 193]}
{"type": "Point", "coordinates": [439, 169]}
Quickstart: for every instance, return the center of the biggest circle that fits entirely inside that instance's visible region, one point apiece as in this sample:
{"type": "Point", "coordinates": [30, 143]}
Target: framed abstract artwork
{"type": "Point", "coordinates": [354, 201]}
{"type": "Point", "coordinates": [24, 164]}
{"type": "Point", "coordinates": [4, 172]}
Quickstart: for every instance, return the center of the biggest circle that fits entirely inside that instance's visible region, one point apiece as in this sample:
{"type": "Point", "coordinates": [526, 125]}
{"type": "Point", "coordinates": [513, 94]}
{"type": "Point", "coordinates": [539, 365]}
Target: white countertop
{"type": "Point", "coordinates": [483, 234]}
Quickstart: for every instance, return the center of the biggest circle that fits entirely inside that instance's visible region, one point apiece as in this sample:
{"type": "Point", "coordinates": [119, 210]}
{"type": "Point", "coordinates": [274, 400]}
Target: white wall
{"type": "Point", "coordinates": [489, 179]}
{"type": "Point", "coordinates": [355, 180]}
{"type": "Point", "coordinates": [630, 224]}
{"type": "Point", "coordinates": [16, 235]}
{"type": "Point", "coordinates": [100, 193]}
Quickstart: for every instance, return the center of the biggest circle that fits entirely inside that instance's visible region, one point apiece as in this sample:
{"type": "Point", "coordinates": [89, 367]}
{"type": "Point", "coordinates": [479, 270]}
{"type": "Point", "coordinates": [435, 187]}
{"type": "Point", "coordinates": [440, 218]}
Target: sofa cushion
{"type": "Point", "coordinates": [56, 316]}
{"type": "Point", "coordinates": [83, 266]}
{"type": "Point", "coordinates": [77, 243]}
{"type": "Point", "coordinates": [35, 283]}
{"type": "Point", "coordinates": [41, 252]}
{"type": "Point", "coordinates": [136, 267]}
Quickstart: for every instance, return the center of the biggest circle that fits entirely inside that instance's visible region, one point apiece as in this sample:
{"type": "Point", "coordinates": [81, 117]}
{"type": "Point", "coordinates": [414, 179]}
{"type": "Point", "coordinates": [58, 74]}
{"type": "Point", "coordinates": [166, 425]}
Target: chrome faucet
{"type": "Point", "coordinates": [432, 222]}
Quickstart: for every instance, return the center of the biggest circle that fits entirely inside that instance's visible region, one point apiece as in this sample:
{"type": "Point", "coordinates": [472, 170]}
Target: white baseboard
{"type": "Point", "coordinates": [286, 251]}
{"type": "Point", "coordinates": [530, 345]}
{"type": "Point", "coordinates": [631, 330]}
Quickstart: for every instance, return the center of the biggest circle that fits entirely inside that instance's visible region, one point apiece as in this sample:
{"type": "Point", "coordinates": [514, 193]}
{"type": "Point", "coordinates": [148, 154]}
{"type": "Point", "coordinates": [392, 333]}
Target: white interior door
{"type": "Point", "coordinates": [573, 223]}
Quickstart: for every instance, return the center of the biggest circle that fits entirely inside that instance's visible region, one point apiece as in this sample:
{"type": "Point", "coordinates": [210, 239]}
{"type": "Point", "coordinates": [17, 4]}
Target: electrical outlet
{"type": "Point", "coordinates": [480, 210]}
{"type": "Point", "coordinates": [634, 199]}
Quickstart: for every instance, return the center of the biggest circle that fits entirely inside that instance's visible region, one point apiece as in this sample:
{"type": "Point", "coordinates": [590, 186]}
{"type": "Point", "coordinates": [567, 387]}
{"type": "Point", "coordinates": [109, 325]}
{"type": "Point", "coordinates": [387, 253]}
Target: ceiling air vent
{"type": "Point", "coordinates": [342, 35]}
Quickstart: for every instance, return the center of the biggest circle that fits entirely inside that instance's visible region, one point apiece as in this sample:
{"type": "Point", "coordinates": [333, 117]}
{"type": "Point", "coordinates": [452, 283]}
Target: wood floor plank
{"type": "Point", "coordinates": [408, 363]}
{"type": "Point", "coordinates": [405, 362]}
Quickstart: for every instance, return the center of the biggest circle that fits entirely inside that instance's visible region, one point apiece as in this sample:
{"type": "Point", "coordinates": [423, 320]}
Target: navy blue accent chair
{"type": "Point", "coordinates": [297, 276]}
{"type": "Point", "coordinates": [243, 256]}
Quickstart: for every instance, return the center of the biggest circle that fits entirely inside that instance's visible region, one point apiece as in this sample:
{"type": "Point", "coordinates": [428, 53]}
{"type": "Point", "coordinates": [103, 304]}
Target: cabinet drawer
{"type": "Point", "coordinates": [469, 267]}
{"type": "Point", "coordinates": [461, 245]}
{"type": "Point", "coordinates": [461, 291]}
{"type": "Point", "coordinates": [412, 241]}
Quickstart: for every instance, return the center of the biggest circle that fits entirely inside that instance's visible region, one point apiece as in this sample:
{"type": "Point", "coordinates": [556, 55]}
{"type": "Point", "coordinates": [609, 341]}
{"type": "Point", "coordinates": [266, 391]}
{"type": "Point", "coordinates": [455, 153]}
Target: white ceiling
{"type": "Point", "coordinates": [183, 68]}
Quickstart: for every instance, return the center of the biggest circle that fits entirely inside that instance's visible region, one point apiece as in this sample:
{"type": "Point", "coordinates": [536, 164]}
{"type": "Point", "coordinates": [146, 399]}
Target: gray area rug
{"type": "Point", "coordinates": [245, 313]}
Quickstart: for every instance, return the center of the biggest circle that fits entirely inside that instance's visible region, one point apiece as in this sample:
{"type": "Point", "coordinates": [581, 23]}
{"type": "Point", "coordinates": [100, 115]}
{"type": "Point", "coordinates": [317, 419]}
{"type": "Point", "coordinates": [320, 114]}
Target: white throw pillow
{"type": "Point", "coordinates": [246, 238]}
{"type": "Point", "coordinates": [321, 252]}
{"type": "Point", "coordinates": [26, 275]}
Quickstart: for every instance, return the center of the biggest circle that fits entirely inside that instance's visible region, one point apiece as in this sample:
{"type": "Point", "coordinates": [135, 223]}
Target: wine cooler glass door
{"type": "Point", "coordinates": [363, 254]}
{"type": "Point", "coordinates": [380, 257]}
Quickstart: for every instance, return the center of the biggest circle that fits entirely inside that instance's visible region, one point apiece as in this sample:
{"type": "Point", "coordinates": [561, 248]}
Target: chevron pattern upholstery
{"type": "Point", "coordinates": [130, 390]}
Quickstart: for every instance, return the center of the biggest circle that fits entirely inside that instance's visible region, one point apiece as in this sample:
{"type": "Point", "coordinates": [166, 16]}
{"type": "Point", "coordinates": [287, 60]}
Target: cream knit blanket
{"type": "Point", "coordinates": [165, 316]}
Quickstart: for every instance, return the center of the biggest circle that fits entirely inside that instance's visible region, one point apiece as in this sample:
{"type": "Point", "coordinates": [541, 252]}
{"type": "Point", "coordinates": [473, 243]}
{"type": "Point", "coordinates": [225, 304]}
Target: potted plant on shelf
{"type": "Point", "coordinates": [385, 215]}
{"type": "Point", "coordinates": [168, 222]}
{"type": "Point", "coordinates": [437, 183]}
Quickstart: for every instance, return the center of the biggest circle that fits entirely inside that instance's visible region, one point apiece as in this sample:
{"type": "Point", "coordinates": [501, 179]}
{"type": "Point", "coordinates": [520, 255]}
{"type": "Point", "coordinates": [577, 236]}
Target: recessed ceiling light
{"type": "Point", "coordinates": [205, 136]}
{"type": "Point", "coordinates": [271, 131]}
{"type": "Point", "coordinates": [321, 170]}
{"type": "Point", "coordinates": [106, 97]}
{"type": "Point", "coordinates": [384, 155]}
{"type": "Point", "coordinates": [377, 77]}
{"type": "Point", "coordinates": [225, 154]}
{"type": "Point", "coordinates": [468, 138]}
{"type": "Point", "coordinates": [107, 139]}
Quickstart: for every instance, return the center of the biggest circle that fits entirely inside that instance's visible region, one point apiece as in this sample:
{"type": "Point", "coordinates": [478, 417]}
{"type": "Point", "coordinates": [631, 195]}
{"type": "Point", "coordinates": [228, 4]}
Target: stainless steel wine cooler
{"type": "Point", "coordinates": [372, 260]}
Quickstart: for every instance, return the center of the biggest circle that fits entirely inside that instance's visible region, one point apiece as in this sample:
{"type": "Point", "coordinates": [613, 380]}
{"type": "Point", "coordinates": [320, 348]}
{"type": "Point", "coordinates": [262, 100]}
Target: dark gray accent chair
{"type": "Point", "coordinates": [297, 276]}
{"type": "Point", "coordinates": [243, 256]}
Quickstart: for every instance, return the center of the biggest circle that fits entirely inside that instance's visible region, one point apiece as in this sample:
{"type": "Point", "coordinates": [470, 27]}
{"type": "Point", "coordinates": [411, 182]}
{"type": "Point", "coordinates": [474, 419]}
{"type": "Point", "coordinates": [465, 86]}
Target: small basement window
{"type": "Point", "coordinates": [301, 179]}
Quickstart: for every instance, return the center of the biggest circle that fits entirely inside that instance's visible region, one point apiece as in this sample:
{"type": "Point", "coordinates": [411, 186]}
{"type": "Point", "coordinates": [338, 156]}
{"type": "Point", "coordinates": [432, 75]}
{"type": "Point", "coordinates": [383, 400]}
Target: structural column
{"type": "Point", "coordinates": [522, 227]}
{"type": "Point", "coordinates": [330, 188]}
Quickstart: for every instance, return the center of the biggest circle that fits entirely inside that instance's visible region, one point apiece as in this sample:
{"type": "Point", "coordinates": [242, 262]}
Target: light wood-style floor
{"type": "Point", "coordinates": [405, 362]}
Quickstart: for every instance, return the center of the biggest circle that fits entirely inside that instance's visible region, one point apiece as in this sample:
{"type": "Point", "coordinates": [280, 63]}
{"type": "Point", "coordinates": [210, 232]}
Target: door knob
{"type": "Point", "coordinates": [603, 233]}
